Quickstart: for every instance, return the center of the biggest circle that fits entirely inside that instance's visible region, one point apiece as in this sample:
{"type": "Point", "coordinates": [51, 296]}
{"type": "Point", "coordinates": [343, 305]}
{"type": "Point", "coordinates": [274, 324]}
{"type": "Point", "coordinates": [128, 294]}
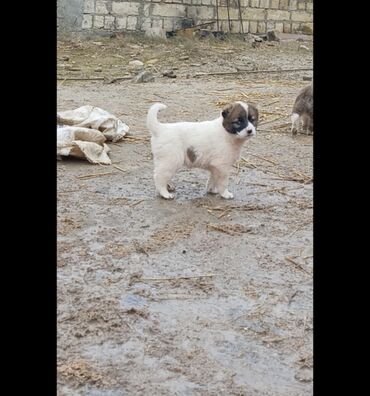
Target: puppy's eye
{"type": "Point", "coordinates": [241, 120]}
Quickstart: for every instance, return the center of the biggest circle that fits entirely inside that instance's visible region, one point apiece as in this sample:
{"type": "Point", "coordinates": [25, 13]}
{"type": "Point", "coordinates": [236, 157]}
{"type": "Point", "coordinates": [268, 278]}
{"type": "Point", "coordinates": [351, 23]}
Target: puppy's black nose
{"type": "Point", "coordinates": [249, 131]}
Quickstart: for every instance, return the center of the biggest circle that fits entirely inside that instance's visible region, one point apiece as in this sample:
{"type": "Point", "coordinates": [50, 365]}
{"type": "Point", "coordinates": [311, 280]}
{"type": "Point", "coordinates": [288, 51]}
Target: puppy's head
{"type": "Point", "coordinates": [240, 119]}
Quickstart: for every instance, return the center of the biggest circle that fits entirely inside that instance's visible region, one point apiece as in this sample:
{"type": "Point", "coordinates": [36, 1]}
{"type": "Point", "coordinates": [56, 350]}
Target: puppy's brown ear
{"type": "Point", "coordinates": [226, 111]}
{"type": "Point", "coordinates": [253, 114]}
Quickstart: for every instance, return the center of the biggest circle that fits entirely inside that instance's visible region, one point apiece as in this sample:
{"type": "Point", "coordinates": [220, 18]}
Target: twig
{"type": "Point", "coordinates": [196, 26]}
{"type": "Point", "coordinates": [265, 159]}
{"type": "Point", "coordinates": [95, 175]}
{"type": "Point", "coordinates": [270, 103]}
{"type": "Point", "coordinates": [266, 191]}
{"type": "Point", "coordinates": [240, 16]}
{"type": "Point", "coordinates": [274, 119]}
{"type": "Point", "coordinates": [290, 260]}
{"type": "Point", "coordinates": [137, 137]}
{"type": "Point", "coordinates": [67, 191]}
{"type": "Point", "coordinates": [179, 277]}
{"type": "Point", "coordinates": [248, 71]}
{"type": "Point", "coordinates": [305, 179]}
{"type": "Point", "coordinates": [80, 78]}
{"type": "Point", "coordinates": [117, 167]}
{"type": "Point", "coordinates": [228, 229]}
{"type": "Point", "coordinates": [223, 213]}
{"type": "Point", "coordinates": [180, 297]}
{"type": "Point", "coordinates": [257, 184]}
{"type": "Point", "coordinates": [228, 14]}
{"type": "Point", "coordinates": [302, 175]}
{"type": "Point", "coordinates": [292, 296]}
{"type": "Point", "coordinates": [240, 207]}
{"type": "Point", "coordinates": [137, 203]}
{"type": "Point", "coordinates": [248, 162]}
{"type": "Point", "coordinates": [300, 227]}
{"type": "Point", "coordinates": [217, 19]}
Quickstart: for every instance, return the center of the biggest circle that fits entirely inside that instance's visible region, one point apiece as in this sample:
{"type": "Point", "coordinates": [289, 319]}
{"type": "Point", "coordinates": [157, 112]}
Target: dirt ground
{"type": "Point", "coordinates": [200, 295]}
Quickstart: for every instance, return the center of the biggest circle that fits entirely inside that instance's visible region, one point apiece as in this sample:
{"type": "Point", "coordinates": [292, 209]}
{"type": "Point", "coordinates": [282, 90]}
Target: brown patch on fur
{"type": "Point", "coordinates": [191, 154]}
{"type": "Point", "coordinates": [232, 112]}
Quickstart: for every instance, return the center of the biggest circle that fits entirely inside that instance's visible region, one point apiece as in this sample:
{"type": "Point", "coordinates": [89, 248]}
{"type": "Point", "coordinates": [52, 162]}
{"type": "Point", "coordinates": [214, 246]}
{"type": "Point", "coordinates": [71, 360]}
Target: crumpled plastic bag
{"type": "Point", "coordinates": [95, 118]}
{"type": "Point", "coordinates": [82, 132]}
{"type": "Point", "coordinates": [83, 143]}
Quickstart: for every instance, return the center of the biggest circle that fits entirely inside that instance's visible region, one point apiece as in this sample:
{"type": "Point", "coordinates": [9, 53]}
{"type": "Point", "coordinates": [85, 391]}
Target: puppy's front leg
{"type": "Point", "coordinates": [222, 179]}
{"type": "Point", "coordinates": [295, 123]}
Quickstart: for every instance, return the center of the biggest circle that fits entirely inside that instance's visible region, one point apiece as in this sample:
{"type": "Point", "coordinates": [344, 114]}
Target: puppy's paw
{"type": "Point", "coordinates": [167, 195]}
{"type": "Point", "coordinates": [170, 187]}
{"type": "Point", "coordinates": [227, 195]}
{"type": "Point", "coordinates": [212, 190]}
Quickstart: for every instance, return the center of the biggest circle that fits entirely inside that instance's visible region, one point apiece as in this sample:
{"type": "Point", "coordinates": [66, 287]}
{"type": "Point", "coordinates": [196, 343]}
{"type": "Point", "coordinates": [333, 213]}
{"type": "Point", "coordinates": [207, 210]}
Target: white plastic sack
{"type": "Point", "coordinates": [82, 143]}
{"type": "Point", "coordinates": [94, 117]}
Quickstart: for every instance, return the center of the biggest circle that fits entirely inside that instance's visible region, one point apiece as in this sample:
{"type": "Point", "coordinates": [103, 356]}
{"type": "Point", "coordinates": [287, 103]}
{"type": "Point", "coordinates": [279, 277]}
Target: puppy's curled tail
{"type": "Point", "coordinates": [152, 122]}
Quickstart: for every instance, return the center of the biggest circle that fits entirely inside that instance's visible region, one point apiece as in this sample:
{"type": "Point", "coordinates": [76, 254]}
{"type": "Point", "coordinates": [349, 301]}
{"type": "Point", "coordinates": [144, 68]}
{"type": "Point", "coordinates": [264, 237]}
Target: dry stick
{"type": "Point", "coordinates": [267, 191]}
{"type": "Point", "coordinates": [240, 17]}
{"type": "Point", "coordinates": [196, 26]}
{"type": "Point", "coordinates": [218, 26]}
{"type": "Point", "coordinates": [269, 122]}
{"type": "Point", "coordinates": [265, 159]}
{"type": "Point", "coordinates": [95, 78]}
{"type": "Point", "coordinates": [95, 175]}
{"type": "Point", "coordinates": [248, 162]}
{"type": "Point", "coordinates": [300, 227]}
{"type": "Point", "coordinates": [228, 14]}
{"type": "Point", "coordinates": [302, 175]}
{"type": "Point", "coordinates": [137, 203]}
{"type": "Point", "coordinates": [248, 71]}
{"type": "Point", "coordinates": [179, 277]}
{"type": "Point", "coordinates": [67, 191]}
{"type": "Point", "coordinates": [290, 260]}
{"type": "Point", "coordinates": [81, 78]}
{"type": "Point", "coordinates": [222, 229]}
{"type": "Point", "coordinates": [275, 101]}
{"type": "Point", "coordinates": [292, 296]}
{"type": "Point", "coordinates": [223, 213]}
{"type": "Point", "coordinates": [117, 167]}
{"type": "Point", "coordinates": [175, 297]}
{"type": "Point", "coordinates": [137, 137]}
{"type": "Point", "coordinates": [257, 184]}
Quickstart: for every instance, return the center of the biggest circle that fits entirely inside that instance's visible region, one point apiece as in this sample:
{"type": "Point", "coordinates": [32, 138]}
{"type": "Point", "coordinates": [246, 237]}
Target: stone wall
{"type": "Point", "coordinates": [257, 16]}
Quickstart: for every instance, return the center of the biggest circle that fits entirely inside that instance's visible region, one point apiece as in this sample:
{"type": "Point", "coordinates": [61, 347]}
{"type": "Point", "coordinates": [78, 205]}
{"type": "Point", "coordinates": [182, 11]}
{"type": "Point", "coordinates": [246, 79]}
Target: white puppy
{"type": "Point", "coordinates": [212, 145]}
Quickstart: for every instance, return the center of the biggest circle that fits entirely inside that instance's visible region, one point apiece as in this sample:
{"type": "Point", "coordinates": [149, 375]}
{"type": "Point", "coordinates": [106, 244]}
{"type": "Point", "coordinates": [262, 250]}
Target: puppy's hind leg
{"type": "Point", "coordinates": [295, 123]}
{"type": "Point", "coordinates": [211, 184]}
{"type": "Point", "coordinates": [162, 178]}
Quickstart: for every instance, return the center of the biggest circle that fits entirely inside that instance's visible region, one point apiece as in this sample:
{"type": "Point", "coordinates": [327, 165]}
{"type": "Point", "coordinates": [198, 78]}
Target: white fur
{"type": "Point", "coordinates": [216, 150]}
{"type": "Point", "coordinates": [295, 123]}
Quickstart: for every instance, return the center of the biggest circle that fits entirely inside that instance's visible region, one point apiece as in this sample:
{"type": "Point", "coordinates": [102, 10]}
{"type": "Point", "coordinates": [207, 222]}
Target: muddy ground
{"type": "Point", "coordinates": [196, 296]}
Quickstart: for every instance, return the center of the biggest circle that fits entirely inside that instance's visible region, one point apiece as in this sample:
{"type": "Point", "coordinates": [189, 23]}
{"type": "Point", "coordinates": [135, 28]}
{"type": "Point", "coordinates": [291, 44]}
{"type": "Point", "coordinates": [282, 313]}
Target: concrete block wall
{"type": "Point", "coordinates": [257, 16]}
